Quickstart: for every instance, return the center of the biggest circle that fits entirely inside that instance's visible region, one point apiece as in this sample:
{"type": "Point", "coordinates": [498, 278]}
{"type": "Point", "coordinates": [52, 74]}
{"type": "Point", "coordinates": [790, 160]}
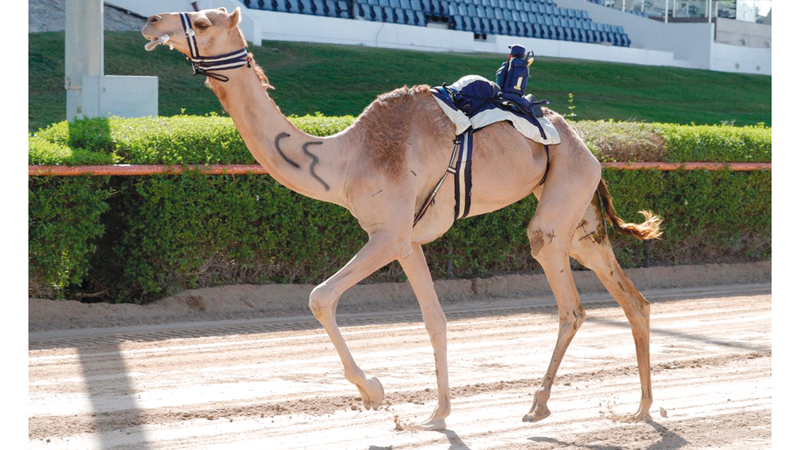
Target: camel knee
{"type": "Point", "coordinates": [322, 301]}
{"type": "Point", "coordinates": [572, 319]}
{"type": "Point", "coordinates": [544, 242]}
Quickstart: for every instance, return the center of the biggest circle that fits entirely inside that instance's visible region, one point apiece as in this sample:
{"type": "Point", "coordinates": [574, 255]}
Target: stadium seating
{"type": "Point", "coordinates": [542, 19]}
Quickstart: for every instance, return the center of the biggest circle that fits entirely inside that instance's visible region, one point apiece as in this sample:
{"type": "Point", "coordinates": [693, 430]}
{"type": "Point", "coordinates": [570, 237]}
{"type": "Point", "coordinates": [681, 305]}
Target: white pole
{"type": "Point", "coordinates": [666, 11]}
{"type": "Point", "coordinates": [623, 5]}
{"type": "Point", "coordinates": [83, 49]}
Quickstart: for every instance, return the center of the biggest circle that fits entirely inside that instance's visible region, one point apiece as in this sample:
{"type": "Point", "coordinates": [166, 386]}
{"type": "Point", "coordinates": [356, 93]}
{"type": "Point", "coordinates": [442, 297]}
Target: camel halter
{"type": "Point", "coordinates": [202, 64]}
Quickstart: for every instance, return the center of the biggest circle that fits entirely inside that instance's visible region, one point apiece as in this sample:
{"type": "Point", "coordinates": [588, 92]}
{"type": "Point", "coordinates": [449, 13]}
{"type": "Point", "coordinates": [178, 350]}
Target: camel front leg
{"type": "Point", "coordinates": [381, 249]}
{"type": "Point", "coordinates": [416, 269]}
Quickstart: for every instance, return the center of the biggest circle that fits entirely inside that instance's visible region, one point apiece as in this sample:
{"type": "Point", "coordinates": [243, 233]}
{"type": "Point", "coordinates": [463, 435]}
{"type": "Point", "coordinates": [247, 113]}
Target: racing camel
{"type": "Point", "coordinates": [382, 169]}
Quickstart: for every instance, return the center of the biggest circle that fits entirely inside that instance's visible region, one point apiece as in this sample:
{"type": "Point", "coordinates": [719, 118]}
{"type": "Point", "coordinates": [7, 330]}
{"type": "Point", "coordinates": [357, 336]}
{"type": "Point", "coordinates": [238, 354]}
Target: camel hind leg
{"type": "Point", "coordinates": [591, 247]}
{"type": "Point", "coordinates": [563, 200]}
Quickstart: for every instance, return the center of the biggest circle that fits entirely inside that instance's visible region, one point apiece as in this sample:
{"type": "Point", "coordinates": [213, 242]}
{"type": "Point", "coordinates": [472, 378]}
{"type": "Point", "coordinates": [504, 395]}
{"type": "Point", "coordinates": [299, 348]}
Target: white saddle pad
{"type": "Point", "coordinates": [490, 116]}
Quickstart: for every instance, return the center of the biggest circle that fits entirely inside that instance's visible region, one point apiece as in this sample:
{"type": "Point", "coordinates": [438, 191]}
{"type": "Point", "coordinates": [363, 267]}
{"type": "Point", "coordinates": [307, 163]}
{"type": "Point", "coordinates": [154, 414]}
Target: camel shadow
{"type": "Point", "coordinates": [455, 441]}
{"type": "Point", "coordinates": [682, 335]}
{"type": "Point", "coordinates": [117, 417]}
{"type": "Point", "coordinates": [669, 441]}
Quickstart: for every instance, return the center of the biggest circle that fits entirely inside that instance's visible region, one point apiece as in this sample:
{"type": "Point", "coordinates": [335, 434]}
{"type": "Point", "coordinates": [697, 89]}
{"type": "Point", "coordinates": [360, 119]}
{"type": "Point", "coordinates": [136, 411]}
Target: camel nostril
{"type": "Point", "coordinates": [153, 19]}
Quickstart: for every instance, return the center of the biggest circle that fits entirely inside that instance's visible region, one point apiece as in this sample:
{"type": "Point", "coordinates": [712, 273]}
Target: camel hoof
{"type": "Point", "coordinates": [374, 394]}
{"type": "Point", "coordinates": [531, 418]}
{"type": "Point", "coordinates": [432, 425]}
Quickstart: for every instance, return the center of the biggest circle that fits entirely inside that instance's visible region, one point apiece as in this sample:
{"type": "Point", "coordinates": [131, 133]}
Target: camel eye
{"type": "Point", "coordinates": [201, 26]}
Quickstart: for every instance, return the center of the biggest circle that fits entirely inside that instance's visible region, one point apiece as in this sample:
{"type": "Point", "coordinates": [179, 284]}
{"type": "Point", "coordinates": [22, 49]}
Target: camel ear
{"type": "Point", "coordinates": [223, 10]}
{"type": "Point", "coordinates": [235, 17]}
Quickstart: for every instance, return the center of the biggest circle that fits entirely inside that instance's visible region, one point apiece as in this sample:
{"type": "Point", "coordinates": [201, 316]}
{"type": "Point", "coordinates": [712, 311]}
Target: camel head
{"type": "Point", "coordinates": [215, 31]}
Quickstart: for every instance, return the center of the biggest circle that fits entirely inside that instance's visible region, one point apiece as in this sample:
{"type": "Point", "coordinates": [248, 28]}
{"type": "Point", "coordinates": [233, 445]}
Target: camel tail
{"type": "Point", "coordinates": [649, 229]}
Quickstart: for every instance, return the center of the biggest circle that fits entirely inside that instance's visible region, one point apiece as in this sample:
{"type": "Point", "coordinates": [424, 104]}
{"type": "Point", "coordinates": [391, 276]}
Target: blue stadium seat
{"type": "Point", "coordinates": [294, 5]}
{"type": "Point", "coordinates": [458, 23]}
{"type": "Point", "coordinates": [305, 6]}
{"type": "Point", "coordinates": [539, 31]}
{"type": "Point", "coordinates": [325, 8]}
{"type": "Point", "coordinates": [557, 21]}
{"type": "Point", "coordinates": [439, 8]}
{"type": "Point", "coordinates": [494, 25]}
{"type": "Point", "coordinates": [416, 5]}
{"type": "Point", "coordinates": [388, 14]}
{"type": "Point", "coordinates": [527, 29]}
{"type": "Point", "coordinates": [421, 19]}
{"type": "Point", "coordinates": [363, 9]}
{"type": "Point", "coordinates": [452, 8]}
{"type": "Point", "coordinates": [552, 30]}
{"type": "Point", "coordinates": [483, 25]}
{"type": "Point", "coordinates": [377, 13]}
{"type": "Point", "coordinates": [342, 9]}
{"type": "Point", "coordinates": [502, 4]}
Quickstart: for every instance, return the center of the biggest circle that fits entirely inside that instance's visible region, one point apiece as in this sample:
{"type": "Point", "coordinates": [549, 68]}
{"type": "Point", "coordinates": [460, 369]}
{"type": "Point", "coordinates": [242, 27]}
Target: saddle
{"type": "Point", "coordinates": [477, 102]}
{"type": "Point", "coordinates": [473, 94]}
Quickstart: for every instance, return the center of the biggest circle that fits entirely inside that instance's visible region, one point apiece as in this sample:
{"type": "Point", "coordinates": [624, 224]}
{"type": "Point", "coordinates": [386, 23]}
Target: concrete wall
{"type": "Point", "coordinates": [730, 58]}
{"type": "Point", "coordinates": [735, 32]}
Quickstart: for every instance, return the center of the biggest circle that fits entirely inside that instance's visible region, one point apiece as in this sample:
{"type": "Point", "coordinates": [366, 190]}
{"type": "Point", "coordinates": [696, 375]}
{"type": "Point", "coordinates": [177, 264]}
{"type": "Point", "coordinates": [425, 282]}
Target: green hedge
{"type": "Point", "coordinates": [140, 238]}
{"type": "Point", "coordinates": [215, 140]}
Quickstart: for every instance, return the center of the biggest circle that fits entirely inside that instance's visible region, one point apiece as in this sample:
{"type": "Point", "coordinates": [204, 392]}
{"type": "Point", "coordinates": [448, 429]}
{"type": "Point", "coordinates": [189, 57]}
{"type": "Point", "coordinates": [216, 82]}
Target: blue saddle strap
{"type": "Point", "coordinates": [463, 191]}
{"type": "Point", "coordinates": [461, 168]}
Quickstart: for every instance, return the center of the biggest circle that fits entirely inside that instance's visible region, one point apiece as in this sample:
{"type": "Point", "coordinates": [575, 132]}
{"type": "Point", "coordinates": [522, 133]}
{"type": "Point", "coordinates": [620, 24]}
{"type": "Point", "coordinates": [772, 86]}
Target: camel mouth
{"type": "Point", "coordinates": [156, 41]}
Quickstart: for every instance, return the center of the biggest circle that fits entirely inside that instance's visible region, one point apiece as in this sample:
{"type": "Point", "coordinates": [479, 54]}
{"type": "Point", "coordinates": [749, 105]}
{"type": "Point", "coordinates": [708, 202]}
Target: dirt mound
{"type": "Point", "coordinates": [247, 301]}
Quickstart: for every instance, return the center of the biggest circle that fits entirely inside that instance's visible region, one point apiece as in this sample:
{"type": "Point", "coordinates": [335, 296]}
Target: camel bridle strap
{"type": "Point", "coordinates": [202, 65]}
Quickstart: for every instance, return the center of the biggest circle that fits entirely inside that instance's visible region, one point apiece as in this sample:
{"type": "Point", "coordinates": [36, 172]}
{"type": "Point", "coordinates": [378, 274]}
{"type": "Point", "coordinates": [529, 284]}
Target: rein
{"type": "Point", "coordinates": [201, 65]}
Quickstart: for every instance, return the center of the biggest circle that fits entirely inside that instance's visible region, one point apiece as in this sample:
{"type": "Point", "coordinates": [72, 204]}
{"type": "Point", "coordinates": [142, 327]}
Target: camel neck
{"type": "Point", "coordinates": [309, 165]}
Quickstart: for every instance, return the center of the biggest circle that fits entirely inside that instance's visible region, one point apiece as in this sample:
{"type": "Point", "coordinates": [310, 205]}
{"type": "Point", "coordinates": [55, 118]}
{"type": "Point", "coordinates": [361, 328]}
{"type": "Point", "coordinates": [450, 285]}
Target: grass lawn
{"type": "Point", "coordinates": [340, 80]}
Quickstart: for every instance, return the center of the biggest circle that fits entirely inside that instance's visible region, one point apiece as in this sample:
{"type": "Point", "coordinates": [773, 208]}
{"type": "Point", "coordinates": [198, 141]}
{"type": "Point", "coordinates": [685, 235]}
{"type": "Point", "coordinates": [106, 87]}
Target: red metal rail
{"type": "Point", "coordinates": [242, 169]}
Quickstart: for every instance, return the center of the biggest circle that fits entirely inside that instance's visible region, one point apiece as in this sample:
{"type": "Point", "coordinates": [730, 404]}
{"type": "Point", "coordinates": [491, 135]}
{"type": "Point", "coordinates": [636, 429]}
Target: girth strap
{"type": "Point", "coordinates": [547, 167]}
{"type": "Point", "coordinates": [461, 167]}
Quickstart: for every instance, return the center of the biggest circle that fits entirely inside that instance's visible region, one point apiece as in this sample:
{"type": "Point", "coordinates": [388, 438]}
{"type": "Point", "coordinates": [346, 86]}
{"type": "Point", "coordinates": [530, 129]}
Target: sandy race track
{"type": "Point", "coordinates": [277, 383]}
